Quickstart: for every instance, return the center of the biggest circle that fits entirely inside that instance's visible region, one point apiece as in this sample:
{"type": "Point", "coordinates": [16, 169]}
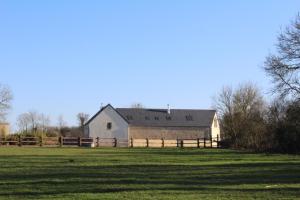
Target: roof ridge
{"type": "Point", "coordinates": [190, 109]}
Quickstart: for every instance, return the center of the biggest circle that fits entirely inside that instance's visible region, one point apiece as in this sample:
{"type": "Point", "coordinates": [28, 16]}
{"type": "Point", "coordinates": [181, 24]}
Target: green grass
{"type": "Point", "coordinates": [75, 173]}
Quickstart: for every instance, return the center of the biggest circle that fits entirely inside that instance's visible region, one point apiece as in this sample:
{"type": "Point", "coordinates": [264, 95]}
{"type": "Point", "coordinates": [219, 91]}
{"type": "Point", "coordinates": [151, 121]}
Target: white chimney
{"type": "Point", "coordinates": [169, 109]}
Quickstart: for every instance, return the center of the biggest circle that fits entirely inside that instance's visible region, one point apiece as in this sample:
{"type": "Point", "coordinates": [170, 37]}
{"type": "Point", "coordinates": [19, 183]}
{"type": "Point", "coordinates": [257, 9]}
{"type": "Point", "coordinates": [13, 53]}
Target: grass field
{"type": "Point", "coordinates": [75, 173]}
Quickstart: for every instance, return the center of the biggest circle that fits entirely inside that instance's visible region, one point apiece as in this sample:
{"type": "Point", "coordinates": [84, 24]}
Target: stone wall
{"type": "Point", "coordinates": [168, 133]}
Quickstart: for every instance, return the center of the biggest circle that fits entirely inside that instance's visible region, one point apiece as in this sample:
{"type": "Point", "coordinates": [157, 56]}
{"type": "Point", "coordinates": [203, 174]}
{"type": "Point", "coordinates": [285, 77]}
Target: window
{"type": "Point", "coordinates": [129, 117]}
{"type": "Point", "coordinates": [156, 118]}
{"type": "Point", "coordinates": [109, 126]}
{"type": "Point", "coordinates": [189, 118]}
{"type": "Point", "coordinates": [168, 118]}
{"type": "Point", "coordinates": [147, 118]}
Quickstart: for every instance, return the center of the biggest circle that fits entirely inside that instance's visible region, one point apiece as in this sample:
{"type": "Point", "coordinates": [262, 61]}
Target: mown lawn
{"type": "Point", "coordinates": [74, 173]}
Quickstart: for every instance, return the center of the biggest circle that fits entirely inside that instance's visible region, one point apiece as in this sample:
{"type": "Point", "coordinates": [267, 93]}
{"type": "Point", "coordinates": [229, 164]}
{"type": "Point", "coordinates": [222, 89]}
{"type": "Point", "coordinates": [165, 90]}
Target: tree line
{"type": "Point", "coordinates": [248, 121]}
{"type": "Point", "coordinates": [33, 123]}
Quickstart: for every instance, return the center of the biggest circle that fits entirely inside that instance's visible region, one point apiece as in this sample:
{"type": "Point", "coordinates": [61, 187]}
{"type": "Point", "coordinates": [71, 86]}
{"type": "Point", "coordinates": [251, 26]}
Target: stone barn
{"type": "Point", "coordinates": [139, 123]}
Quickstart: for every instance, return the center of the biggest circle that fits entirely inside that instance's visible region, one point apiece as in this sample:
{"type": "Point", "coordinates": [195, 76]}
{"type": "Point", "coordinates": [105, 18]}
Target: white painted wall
{"type": "Point", "coordinates": [98, 126]}
{"type": "Point", "coordinates": [215, 128]}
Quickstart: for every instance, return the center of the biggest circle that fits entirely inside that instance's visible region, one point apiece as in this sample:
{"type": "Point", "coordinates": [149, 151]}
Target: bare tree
{"type": "Point", "coordinates": [224, 101]}
{"type": "Point", "coordinates": [224, 106]}
{"type": "Point", "coordinates": [30, 121]}
{"type": "Point", "coordinates": [5, 101]}
{"type": "Point", "coordinates": [242, 116]}
{"type": "Point", "coordinates": [34, 119]}
{"type": "Point", "coordinates": [23, 122]}
{"type": "Point", "coordinates": [44, 121]}
{"type": "Point", "coordinates": [61, 122]}
{"type": "Point", "coordinates": [82, 118]}
{"type": "Point", "coordinates": [284, 67]}
{"type": "Point", "coordinates": [137, 105]}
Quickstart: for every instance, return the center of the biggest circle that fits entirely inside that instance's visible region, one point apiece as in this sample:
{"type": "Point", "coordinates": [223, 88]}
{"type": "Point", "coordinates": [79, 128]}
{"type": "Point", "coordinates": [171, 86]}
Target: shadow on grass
{"type": "Point", "coordinates": [141, 170]}
{"type": "Point", "coordinates": [130, 178]}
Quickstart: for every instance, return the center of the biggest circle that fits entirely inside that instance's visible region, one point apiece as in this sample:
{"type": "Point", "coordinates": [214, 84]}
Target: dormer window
{"type": "Point", "coordinates": [189, 118]}
{"type": "Point", "coordinates": [168, 118]}
{"type": "Point", "coordinates": [156, 118]}
{"type": "Point", "coordinates": [147, 118]}
{"type": "Point", "coordinates": [129, 117]}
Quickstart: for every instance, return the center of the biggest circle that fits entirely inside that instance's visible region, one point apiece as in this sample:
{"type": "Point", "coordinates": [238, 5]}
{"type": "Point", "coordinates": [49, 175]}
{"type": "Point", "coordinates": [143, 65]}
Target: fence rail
{"type": "Point", "coordinates": [179, 143]}
{"type": "Point", "coordinates": [110, 142]}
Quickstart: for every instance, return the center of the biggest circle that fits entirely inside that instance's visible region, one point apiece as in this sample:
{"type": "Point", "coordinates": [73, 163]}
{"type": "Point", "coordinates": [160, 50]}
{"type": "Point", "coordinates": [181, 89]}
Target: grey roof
{"type": "Point", "coordinates": [161, 118]}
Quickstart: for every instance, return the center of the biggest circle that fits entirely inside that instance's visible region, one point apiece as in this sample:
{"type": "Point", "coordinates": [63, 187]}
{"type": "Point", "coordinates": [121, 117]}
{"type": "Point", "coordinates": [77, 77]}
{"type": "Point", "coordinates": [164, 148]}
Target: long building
{"type": "Point", "coordinates": [139, 123]}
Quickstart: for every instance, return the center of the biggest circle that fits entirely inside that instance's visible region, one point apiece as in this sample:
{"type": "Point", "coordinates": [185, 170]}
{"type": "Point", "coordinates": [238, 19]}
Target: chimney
{"type": "Point", "coordinates": [169, 109]}
{"type": "Point", "coordinates": [101, 106]}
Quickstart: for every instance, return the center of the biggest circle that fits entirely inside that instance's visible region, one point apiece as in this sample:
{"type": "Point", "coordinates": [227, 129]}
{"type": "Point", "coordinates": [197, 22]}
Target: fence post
{"type": "Point", "coordinates": [198, 143]}
{"type": "Point", "coordinates": [147, 141]}
{"type": "Point", "coordinates": [2, 140]}
{"type": "Point", "coordinates": [20, 141]}
{"type": "Point", "coordinates": [60, 140]}
{"type": "Point", "coordinates": [79, 141]}
{"type": "Point", "coordinates": [131, 142]}
{"type": "Point", "coordinates": [162, 143]}
{"type": "Point", "coordinates": [177, 143]}
{"type": "Point", "coordinates": [97, 142]}
{"type": "Point", "coordinates": [218, 141]}
{"type": "Point", "coordinates": [182, 144]}
{"type": "Point", "coordinates": [115, 142]}
{"type": "Point", "coordinates": [204, 142]}
{"type": "Point", "coordinates": [211, 142]}
{"type": "Point", "coordinates": [41, 141]}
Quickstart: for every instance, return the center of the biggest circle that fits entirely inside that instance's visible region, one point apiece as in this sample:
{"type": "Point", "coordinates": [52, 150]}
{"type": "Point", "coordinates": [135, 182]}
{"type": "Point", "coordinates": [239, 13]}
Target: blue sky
{"type": "Point", "coordinates": [65, 57]}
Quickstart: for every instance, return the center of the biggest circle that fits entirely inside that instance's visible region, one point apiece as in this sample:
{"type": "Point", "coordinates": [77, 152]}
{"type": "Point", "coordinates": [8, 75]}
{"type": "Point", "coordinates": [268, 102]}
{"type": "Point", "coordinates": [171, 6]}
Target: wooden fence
{"type": "Point", "coordinates": [109, 142]}
{"type": "Point", "coordinates": [179, 143]}
{"type": "Point", "coordinates": [47, 141]}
